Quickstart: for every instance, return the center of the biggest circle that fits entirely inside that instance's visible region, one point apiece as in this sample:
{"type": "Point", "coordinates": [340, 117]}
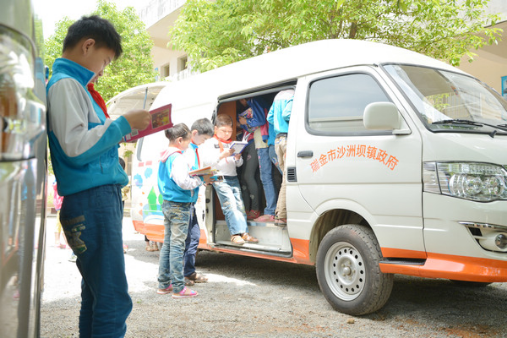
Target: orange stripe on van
{"type": "Point", "coordinates": [402, 253]}
{"type": "Point", "coordinates": [301, 251]}
{"type": "Point", "coordinates": [139, 226]}
{"type": "Point", "coordinates": [464, 268]}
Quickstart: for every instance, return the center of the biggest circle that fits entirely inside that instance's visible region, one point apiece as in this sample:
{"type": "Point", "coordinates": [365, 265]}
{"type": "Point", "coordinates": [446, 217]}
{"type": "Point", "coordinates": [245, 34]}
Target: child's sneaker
{"type": "Point", "coordinates": [165, 291]}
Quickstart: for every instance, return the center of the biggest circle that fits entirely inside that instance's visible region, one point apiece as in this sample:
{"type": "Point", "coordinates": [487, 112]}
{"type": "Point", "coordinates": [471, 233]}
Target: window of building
{"type": "Point", "coordinates": [165, 70]}
{"type": "Point", "coordinates": [182, 63]}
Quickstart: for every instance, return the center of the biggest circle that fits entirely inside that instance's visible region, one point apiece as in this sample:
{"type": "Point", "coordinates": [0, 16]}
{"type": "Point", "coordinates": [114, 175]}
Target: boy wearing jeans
{"type": "Point", "coordinates": [178, 189]}
{"type": "Point", "coordinates": [202, 130]}
{"type": "Point", "coordinates": [84, 153]}
{"type": "Point", "coordinates": [216, 152]}
{"type": "Point", "coordinates": [279, 116]}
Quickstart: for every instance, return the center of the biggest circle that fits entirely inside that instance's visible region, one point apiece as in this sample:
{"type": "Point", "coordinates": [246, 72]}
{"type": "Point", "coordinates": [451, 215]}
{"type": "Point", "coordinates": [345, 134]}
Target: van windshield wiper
{"type": "Point", "coordinates": [472, 123]}
{"type": "Point", "coordinates": [458, 121]}
{"type": "Point", "coordinates": [502, 127]}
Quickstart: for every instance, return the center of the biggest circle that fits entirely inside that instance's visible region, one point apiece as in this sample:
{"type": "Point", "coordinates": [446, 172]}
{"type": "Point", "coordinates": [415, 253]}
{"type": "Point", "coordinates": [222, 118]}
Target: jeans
{"type": "Point", "coordinates": [281, 149]}
{"type": "Point", "coordinates": [265, 168]}
{"type": "Point", "coordinates": [248, 173]}
{"type": "Point", "coordinates": [176, 217]}
{"type": "Point", "coordinates": [274, 158]}
{"type": "Point", "coordinates": [229, 194]}
{"type": "Point", "coordinates": [92, 222]}
{"type": "Point", "coordinates": [191, 243]}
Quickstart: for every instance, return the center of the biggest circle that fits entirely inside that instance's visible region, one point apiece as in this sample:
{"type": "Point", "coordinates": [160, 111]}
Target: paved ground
{"type": "Point", "coordinates": [248, 297]}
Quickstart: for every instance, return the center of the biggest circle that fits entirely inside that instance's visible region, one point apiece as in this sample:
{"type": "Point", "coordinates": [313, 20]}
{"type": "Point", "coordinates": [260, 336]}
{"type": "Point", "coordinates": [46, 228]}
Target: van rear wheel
{"type": "Point", "coordinates": [348, 270]}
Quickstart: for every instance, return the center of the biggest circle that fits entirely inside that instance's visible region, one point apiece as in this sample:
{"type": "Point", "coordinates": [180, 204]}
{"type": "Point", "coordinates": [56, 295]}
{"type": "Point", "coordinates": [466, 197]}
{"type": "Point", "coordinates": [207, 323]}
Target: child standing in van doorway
{"type": "Point", "coordinates": [279, 116]}
{"type": "Point", "coordinates": [257, 125]}
{"type": "Point", "coordinates": [178, 189]}
{"type": "Point", "coordinates": [202, 130]}
{"type": "Point", "coordinates": [216, 153]}
{"type": "Point", "coordinates": [84, 154]}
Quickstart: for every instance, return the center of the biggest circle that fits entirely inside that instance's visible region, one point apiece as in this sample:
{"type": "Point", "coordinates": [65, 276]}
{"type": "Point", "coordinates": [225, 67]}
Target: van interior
{"type": "Point", "coordinates": [273, 239]}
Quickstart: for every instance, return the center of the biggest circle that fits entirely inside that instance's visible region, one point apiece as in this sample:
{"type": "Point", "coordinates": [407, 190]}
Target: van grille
{"type": "Point", "coordinates": [291, 174]}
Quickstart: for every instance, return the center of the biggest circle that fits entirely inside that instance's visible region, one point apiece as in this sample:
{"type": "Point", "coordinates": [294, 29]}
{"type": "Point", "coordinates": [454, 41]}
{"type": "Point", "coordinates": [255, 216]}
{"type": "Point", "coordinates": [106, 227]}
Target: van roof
{"type": "Point", "coordinates": [286, 65]}
{"type": "Point", "coordinates": [200, 92]}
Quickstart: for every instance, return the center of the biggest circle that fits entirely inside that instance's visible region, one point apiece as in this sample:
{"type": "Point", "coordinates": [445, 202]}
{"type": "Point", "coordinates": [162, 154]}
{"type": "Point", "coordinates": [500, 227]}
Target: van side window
{"type": "Point", "coordinates": [336, 104]}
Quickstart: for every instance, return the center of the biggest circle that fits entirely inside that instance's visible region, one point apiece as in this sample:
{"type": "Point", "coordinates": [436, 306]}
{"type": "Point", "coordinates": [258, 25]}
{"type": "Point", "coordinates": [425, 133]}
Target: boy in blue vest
{"type": "Point", "coordinates": [202, 130]}
{"type": "Point", "coordinates": [178, 190]}
{"type": "Point", "coordinates": [84, 154]}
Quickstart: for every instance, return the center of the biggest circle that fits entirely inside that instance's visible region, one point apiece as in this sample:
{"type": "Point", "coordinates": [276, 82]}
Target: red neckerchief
{"type": "Point", "coordinates": [98, 99]}
{"type": "Point", "coordinates": [220, 141]}
{"type": "Point", "coordinates": [197, 154]}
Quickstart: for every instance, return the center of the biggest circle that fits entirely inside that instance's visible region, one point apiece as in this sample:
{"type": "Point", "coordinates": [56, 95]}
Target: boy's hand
{"type": "Point", "coordinates": [138, 119]}
{"type": "Point", "coordinates": [226, 153]}
{"type": "Point", "coordinates": [207, 179]}
{"type": "Point", "coordinates": [237, 157]}
{"type": "Point", "coordinates": [242, 120]}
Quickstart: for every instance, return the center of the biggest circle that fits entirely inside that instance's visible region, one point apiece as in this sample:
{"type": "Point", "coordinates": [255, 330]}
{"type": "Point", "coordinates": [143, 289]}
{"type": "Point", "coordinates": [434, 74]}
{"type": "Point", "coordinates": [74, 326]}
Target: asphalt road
{"type": "Point", "coordinates": [249, 297]}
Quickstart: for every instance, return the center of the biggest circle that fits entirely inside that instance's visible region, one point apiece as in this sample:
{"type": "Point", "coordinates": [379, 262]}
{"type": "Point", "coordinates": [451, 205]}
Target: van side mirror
{"type": "Point", "coordinates": [381, 115]}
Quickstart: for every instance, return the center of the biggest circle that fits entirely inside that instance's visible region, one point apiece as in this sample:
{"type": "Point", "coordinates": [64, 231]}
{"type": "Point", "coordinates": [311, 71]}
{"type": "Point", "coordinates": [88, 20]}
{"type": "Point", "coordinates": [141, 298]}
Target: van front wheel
{"type": "Point", "coordinates": [348, 270]}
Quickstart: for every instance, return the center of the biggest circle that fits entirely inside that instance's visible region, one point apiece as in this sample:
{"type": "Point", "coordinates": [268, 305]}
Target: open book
{"type": "Point", "coordinates": [160, 120]}
{"type": "Point", "coordinates": [238, 146]}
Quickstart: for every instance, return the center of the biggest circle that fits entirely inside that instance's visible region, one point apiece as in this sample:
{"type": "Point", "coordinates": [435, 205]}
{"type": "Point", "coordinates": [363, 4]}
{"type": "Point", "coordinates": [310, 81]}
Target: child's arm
{"type": "Point", "coordinates": [179, 173]}
{"type": "Point", "coordinates": [70, 116]}
{"type": "Point", "coordinates": [211, 156]}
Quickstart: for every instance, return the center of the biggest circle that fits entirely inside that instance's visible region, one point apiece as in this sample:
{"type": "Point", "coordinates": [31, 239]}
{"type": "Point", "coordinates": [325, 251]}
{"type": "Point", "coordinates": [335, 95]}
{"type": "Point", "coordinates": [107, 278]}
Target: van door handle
{"type": "Point", "coordinates": [305, 153]}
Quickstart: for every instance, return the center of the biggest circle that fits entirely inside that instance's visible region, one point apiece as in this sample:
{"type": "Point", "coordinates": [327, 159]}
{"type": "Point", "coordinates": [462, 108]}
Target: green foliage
{"type": "Point", "coordinates": [216, 33]}
{"type": "Point", "coordinates": [133, 68]}
{"type": "Point", "coordinates": [39, 37]}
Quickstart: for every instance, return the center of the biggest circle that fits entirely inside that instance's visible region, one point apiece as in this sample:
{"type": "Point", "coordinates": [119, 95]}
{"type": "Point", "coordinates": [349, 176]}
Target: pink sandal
{"type": "Point", "coordinates": [183, 293]}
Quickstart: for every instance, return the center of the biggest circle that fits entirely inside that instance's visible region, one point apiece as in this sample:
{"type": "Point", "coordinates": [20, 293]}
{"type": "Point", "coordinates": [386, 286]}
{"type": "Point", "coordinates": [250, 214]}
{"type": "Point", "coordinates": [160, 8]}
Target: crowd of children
{"type": "Point", "coordinates": [206, 145]}
{"type": "Point", "coordinates": [84, 150]}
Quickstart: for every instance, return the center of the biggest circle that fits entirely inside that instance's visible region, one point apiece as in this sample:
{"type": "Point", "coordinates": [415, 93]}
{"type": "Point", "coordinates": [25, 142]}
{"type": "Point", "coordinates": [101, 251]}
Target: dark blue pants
{"type": "Point", "coordinates": [191, 243]}
{"type": "Point", "coordinates": [92, 221]}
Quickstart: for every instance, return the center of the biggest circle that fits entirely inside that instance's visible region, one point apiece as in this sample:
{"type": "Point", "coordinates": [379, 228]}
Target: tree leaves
{"type": "Point", "coordinates": [133, 68]}
{"type": "Point", "coordinates": [215, 33]}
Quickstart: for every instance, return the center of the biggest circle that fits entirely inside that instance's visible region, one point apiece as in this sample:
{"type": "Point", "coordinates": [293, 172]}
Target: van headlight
{"type": "Point", "coordinates": [481, 182]}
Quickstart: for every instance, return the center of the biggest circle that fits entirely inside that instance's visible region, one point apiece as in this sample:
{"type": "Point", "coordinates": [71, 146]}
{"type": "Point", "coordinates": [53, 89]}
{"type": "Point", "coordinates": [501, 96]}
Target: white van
{"type": "Point", "coordinates": [396, 163]}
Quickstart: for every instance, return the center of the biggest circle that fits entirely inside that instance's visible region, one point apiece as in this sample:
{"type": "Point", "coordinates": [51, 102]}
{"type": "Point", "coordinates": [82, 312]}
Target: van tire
{"type": "Point", "coordinates": [359, 287]}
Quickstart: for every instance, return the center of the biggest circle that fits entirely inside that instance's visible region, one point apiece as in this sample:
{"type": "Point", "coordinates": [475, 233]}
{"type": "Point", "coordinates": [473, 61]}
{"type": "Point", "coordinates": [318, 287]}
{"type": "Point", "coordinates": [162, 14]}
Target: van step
{"type": "Point", "coordinates": [252, 246]}
{"type": "Point", "coordinates": [265, 224]}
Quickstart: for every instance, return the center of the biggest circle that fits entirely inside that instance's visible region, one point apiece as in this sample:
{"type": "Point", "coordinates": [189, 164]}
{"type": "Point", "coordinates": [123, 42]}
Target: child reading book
{"type": "Point", "coordinates": [178, 189]}
{"type": "Point", "coordinates": [216, 153]}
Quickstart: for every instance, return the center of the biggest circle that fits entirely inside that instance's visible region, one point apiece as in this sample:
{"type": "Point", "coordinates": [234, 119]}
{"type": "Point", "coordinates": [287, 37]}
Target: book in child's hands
{"type": "Point", "coordinates": [202, 171]}
{"type": "Point", "coordinates": [160, 120]}
{"type": "Point", "coordinates": [238, 146]}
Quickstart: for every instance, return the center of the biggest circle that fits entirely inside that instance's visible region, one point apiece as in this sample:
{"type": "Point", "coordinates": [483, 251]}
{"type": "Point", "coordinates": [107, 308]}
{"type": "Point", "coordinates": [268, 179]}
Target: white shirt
{"type": "Point", "coordinates": [209, 153]}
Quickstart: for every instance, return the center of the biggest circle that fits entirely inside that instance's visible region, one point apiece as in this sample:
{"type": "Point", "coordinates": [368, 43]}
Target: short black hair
{"type": "Point", "coordinates": [223, 120]}
{"type": "Point", "coordinates": [178, 130]}
{"type": "Point", "coordinates": [203, 127]}
{"type": "Point", "coordinates": [96, 28]}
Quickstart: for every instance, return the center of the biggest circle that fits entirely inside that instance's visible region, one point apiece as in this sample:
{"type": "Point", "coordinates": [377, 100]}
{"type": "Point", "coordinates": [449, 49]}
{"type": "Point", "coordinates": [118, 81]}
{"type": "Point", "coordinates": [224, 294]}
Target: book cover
{"type": "Point", "coordinates": [160, 120]}
{"type": "Point", "coordinates": [202, 171]}
{"type": "Point", "coordinates": [238, 146]}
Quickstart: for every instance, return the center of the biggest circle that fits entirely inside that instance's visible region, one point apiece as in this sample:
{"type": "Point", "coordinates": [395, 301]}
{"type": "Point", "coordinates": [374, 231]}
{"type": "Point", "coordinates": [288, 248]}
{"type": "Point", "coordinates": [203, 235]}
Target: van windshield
{"type": "Point", "coordinates": [451, 102]}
